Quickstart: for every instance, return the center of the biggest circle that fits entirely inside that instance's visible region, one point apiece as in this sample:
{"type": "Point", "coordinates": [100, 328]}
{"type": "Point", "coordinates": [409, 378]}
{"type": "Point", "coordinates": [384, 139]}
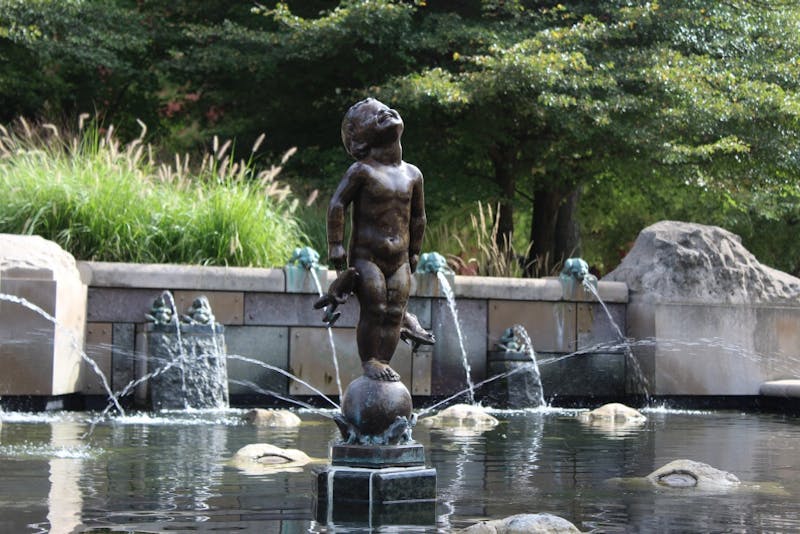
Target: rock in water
{"type": "Point", "coordinates": [613, 412]}
{"type": "Point", "coordinates": [260, 458]}
{"type": "Point", "coordinates": [272, 418]}
{"type": "Point", "coordinates": [524, 524]}
{"type": "Point", "coordinates": [678, 261]}
{"type": "Point", "coordinates": [688, 473]}
{"type": "Point", "coordinates": [461, 415]}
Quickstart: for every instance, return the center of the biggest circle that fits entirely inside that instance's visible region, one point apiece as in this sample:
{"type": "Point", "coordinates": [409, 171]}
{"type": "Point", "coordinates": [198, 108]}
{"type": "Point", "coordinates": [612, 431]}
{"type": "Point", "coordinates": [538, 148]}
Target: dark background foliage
{"type": "Point", "coordinates": [581, 121]}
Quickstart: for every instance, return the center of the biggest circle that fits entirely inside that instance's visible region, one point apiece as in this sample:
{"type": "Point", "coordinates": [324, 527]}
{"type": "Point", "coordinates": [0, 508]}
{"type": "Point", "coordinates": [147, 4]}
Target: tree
{"type": "Point", "coordinates": [695, 92]}
{"type": "Point", "coordinates": [60, 59]}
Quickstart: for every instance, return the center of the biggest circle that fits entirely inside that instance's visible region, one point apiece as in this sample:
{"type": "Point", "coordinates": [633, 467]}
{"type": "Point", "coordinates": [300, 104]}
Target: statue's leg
{"type": "Point", "coordinates": [371, 331]}
{"type": "Point", "coordinates": [398, 286]}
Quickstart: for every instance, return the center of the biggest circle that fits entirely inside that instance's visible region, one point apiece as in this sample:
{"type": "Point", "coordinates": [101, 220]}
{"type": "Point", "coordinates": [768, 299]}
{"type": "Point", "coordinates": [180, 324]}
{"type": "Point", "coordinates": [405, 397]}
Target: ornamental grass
{"type": "Point", "coordinates": [107, 201]}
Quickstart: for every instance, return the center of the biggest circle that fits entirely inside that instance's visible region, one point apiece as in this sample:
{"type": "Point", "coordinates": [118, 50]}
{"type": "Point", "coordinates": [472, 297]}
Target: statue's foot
{"type": "Point", "coordinates": [379, 371]}
{"type": "Point", "coordinates": [412, 331]}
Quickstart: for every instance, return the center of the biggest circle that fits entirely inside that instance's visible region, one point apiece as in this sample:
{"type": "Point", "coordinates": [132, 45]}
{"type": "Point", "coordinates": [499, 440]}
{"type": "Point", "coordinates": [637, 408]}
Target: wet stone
{"type": "Point", "coordinates": [377, 456]}
{"type": "Point", "coordinates": [193, 370]}
{"type": "Point", "coordinates": [392, 495]}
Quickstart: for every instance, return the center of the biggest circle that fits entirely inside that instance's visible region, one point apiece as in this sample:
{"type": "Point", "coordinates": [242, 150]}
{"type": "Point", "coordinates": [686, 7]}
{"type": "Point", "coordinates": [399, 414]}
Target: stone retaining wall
{"type": "Point", "coordinates": [268, 316]}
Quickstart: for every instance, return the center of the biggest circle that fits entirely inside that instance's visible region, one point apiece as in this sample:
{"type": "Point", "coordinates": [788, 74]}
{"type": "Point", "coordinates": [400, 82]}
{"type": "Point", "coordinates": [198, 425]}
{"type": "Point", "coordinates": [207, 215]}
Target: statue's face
{"type": "Point", "coordinates": [378, 123]}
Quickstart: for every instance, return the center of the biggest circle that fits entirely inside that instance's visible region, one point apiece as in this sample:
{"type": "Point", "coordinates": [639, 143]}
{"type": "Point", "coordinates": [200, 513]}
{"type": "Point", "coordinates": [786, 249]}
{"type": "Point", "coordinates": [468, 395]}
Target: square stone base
{"type": "Point", "coordinates": [392, 495]}
{"type": "Point", "coordinates": [378, 456]}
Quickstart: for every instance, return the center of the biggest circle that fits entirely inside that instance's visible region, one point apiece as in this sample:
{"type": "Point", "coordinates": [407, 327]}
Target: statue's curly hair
{"type": "Point", "coordinates": [351, 138]}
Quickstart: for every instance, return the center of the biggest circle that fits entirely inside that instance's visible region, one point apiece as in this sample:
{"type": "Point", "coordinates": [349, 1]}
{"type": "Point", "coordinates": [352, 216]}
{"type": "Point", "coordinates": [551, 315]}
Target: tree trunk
{"type": "Point", "coordinates": [504, 178]}
{"type": "Point", "coordinates": [567, 236]}
{"type": "Point", "coordinates": [543, 231]}
{"type": "Point", "coordinates": [555, 235]}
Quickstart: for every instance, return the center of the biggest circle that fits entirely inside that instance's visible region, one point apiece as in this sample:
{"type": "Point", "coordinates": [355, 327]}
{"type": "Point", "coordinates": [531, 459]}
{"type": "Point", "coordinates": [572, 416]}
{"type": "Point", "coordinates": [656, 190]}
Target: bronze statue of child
{"type": "Point", "coordinates": [387, 225]}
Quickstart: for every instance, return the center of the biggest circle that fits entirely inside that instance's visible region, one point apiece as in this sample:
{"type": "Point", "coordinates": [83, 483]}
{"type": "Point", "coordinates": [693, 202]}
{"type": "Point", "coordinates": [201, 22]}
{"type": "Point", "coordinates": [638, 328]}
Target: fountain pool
{"type": "Point", "coordinates": [148, 473]}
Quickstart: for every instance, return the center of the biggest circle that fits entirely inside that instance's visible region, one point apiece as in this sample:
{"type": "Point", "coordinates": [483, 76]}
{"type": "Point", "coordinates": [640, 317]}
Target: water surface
{"type": "Point", "coordinates": [169, 473]}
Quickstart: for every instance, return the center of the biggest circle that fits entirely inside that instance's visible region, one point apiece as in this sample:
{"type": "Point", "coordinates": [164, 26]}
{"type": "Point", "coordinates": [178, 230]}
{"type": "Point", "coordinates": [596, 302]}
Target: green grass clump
{"type": "Point", "coordinates": [103, 201]}
{"type": "Point", "coordinates": [473, 248]}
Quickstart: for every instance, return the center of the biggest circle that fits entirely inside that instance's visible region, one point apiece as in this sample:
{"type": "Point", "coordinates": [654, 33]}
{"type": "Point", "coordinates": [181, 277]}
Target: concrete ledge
{"type": "Point", "coordinates": [548, 289]}
{"type": "Point", "coordinates": [168, 276]}
{"type": "Point", "coordinates": [789, 388]}
{"type": "Point", "coordinates": [485, 287]}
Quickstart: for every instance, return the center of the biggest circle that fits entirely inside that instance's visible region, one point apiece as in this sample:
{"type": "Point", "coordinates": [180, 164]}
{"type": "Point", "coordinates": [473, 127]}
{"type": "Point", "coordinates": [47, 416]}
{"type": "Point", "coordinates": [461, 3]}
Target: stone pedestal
{"type": "Point", "coordinates": [522, 388]}
{"type": "Point", "coordinates": [376, 485]}
{"type": "Point", "coordinates": [197, 373]}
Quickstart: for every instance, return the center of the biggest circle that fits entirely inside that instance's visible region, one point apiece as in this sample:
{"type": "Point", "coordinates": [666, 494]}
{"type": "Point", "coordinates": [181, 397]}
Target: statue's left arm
{"type": "Point", "coordinates": [416, 223]}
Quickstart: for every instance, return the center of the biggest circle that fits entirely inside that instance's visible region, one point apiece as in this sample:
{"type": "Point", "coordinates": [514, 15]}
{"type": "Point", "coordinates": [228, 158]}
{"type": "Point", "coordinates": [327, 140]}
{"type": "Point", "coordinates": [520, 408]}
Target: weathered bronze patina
{"type": "Point", "coordinates": [385, 197]}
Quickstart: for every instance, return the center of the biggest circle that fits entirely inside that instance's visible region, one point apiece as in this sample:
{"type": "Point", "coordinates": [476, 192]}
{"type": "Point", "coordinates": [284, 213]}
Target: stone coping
{"type": "Point", "coordinates": [196, 277]}
{"type": "Point", "coordinates": [789, 388]}
{"type": "Point", "coordinates": [169, 276]}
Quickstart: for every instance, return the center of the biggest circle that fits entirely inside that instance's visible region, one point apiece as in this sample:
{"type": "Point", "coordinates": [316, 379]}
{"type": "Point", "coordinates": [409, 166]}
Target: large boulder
{"type": "Point", "coordinates": [679, 261]}
{"type": "Point", "coordinates": [524, 524]}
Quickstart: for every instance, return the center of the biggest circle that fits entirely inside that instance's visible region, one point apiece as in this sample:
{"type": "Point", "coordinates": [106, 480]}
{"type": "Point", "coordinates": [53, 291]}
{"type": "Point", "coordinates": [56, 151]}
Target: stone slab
{"type": "Point", "coordinates": [123, 355]}
{"type": "Point", "coordinates": [486, 287]}
{"type": "Point", "coordinates": [311, 359]}
{"type": "Point", "coordinates": [98, 347]}
{"type": "Point", "coordinates": [378, 456]}
{"type": "Point", "coordinates": [118, 305]}
{"type": "Point", "coordinates": [585, 375]}
{"type": "Point", "coordinates": [550, 325]}
{"type": "Point", "coordinates": [788, 388]}
{"type": "Point", "coordinates": [707, 350]}
{"type": "Point", "coordinates": [421, 307]}
{"type": "Point", "coordinates": [42, 273]}
{"type": "Point", "coordinates": [297, 309]}
{"type": "Point", "coordinates": [26, 338]}
{"type": "Point", "coordinates": [448, 374]}
{"type": "Point", "coordinates": [227, 306]}
{"type": "Point", "coordinates": [596, 329]}
{"type": "Point", "coordinates": [265, 344]}
{"type": "Point", "coordinates": [421, 364]}
{"type": "Point", "coordinates": [194, 277]}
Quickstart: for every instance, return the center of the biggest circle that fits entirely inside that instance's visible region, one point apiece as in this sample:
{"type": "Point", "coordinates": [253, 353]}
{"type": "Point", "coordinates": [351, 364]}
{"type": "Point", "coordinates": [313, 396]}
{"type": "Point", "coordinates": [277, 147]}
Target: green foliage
{"type": "Point", "coordinates": [684, 109]}
{"type": "Point", "coordinates": [103, 201]}
{"type": "Point", "coordinates": [64, 58]}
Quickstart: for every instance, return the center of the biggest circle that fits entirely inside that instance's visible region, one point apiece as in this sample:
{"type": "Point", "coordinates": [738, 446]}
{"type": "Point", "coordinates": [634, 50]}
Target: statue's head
{"type": "Point", "coordinates": [370, 123]}
{"type": "Point", "coordinates": [201, 303]}
{"type": "Point", "coordinates": [576, 268]}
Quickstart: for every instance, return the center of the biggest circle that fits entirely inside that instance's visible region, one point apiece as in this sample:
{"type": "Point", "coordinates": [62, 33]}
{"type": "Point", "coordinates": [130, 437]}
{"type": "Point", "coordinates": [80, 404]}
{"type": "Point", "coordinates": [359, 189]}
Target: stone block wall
{"type": "Point", "coordinates": [703, 349]}
{"type": "Point", "coordinates": [269, 318]}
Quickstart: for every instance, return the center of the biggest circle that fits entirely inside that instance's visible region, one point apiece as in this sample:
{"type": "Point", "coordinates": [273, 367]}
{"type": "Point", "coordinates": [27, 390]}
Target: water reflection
{"type": "Point", "coordinates": [64, 500]}
{"type": "Point", "coordinates": [170, 472]}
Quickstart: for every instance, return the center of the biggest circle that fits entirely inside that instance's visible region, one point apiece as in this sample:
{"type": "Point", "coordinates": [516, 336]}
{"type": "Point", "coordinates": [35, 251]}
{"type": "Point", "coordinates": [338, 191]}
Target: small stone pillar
{"type": "Point", "coordinates": [522, 388]}
{"type": "Point", "coordinates": [40, 351]}
{"type": "Point", "coordinates": [188, 360]}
